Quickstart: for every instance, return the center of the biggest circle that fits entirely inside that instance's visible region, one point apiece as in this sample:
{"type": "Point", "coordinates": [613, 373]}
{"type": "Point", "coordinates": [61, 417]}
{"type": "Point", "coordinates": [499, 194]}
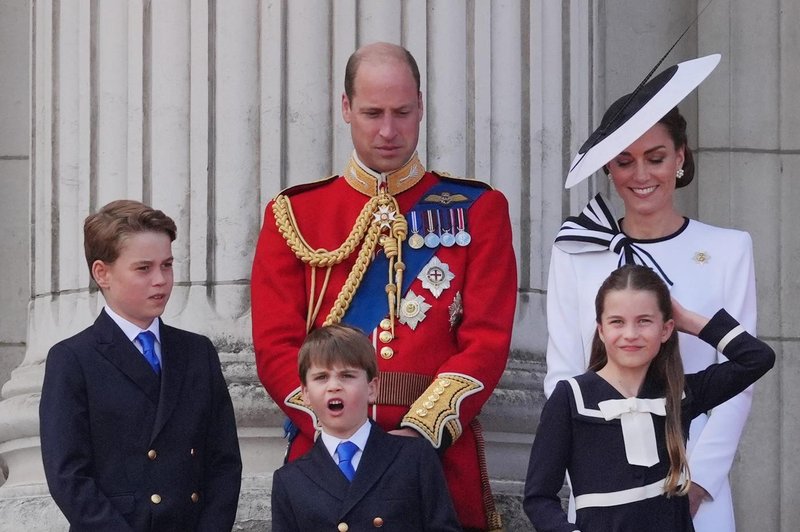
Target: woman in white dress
{"type": "Point", "coordinates": [706, 267]}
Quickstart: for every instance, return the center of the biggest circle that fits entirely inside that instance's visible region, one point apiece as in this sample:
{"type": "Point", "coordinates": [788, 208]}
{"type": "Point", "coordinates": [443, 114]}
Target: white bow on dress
{"type": "Point", "coordinates": [637, 426]}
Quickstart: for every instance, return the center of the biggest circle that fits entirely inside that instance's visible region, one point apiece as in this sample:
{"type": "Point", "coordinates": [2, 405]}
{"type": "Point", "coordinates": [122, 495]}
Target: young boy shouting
{"type": "Point", "coordinates": [136, 424]}
{"type": "Point", "coordinates": [356, 477]}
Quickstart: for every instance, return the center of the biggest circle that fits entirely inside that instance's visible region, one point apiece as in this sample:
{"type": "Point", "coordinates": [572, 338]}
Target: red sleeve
{"type": "Point", "coordinates": [468, 376]}
{"type": "Point", "coordinates": [489, 299]}
{"type": "Point", "coordinates": [278, 299]}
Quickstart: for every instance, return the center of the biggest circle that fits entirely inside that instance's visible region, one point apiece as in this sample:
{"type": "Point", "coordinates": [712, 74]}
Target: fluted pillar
{"type": "Point", "coordinates": [156, 101]}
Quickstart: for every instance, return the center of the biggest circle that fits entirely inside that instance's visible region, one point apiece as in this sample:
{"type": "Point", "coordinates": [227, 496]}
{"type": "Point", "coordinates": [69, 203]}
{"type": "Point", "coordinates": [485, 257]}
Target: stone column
{"type": "Point", "coordinates": [14, 212]}
{"type": "Point", "coordinates": [156, 101]}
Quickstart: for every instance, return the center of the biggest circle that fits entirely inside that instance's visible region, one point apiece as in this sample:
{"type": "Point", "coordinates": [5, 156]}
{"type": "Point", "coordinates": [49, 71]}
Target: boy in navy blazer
{"type": "Point", "coordinates": [137, 426]}
{"type": "Point", "coordinates": [383, 481]}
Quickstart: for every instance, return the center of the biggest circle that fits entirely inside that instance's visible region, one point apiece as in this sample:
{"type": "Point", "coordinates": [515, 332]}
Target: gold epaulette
{"type": "Point", "coordinates": [303, 187]}
{"type": "Point", "coordinates": [295, 400]}
{"type": "Point", "coordinates": [470, 181]}
{"type": "Point", "coordinates": [437, 409]}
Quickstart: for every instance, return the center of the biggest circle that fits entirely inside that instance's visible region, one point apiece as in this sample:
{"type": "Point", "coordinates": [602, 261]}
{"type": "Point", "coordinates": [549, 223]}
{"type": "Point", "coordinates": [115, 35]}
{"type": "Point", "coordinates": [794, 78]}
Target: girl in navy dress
{"type": "Point", "coordinates": [619, 430]}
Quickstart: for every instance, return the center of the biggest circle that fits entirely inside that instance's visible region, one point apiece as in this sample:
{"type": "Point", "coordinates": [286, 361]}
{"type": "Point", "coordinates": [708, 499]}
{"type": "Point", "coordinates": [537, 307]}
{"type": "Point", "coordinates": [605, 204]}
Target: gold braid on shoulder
{"type": "Point", "coordinates": [366, 231]}
{"type": "Point", "coordinates": [287, 225]}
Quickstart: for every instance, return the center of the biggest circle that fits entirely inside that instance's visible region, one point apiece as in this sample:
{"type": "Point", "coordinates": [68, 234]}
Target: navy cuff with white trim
{"type": "Point", "coordinates": [716, 330]}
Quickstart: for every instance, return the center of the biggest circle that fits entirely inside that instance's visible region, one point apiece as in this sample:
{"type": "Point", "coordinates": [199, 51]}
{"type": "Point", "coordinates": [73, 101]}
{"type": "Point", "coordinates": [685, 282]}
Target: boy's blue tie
{"type": "Point", "coordinates": [346, 451]}
{"type": "Point", "coordinates": [148, 341]}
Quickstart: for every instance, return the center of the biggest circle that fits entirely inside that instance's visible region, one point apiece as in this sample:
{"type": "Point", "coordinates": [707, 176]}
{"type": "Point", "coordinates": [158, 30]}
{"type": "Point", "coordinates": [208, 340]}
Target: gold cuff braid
{"type": "Point", "coordinates": [437, 409]}
{"type": "Point", "coordinates": [295, 400]}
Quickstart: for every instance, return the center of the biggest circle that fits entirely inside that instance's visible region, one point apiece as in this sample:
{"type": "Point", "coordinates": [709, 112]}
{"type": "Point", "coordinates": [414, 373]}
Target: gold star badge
{"type": "Point", "coordinates": [701, 257]}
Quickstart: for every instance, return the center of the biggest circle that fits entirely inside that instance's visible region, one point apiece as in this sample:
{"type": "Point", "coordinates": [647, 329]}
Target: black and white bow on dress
{"type": "Point", "coordinates": [596, 229]}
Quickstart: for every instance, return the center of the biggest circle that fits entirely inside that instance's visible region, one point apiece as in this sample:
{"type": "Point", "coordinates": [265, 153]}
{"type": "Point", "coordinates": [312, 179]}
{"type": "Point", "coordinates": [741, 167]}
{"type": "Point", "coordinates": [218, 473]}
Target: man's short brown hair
{"type": "Point", "coordinates": [378, 51]}
{"type": "Point", "coordinates": [106, 230]}
{"type": "Point", "coordinates": [337, 344]}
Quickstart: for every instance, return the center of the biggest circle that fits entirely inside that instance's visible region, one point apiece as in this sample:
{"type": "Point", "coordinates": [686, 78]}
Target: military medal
{"type": "Point", "coordinates": [462, 237]}
{"type": "Point", "coordinates": [436, 276]}
{"type": "Point", "coordinates": [448, 240]}
{"type": "Point", "coordinates": [412, 309]}
{"type": "Point", "coordinates": [432, 238]}
{"type": "Point", "coordinates": [415, 240]}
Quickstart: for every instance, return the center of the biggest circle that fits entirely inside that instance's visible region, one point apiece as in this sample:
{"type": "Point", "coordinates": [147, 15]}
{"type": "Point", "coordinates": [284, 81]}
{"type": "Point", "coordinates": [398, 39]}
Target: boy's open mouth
{"type": "Point", "coordinates": [335, 405]}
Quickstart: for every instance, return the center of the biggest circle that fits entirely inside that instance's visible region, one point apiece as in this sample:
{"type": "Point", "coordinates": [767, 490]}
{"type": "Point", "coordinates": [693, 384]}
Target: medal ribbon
{"type": "Point", "coordinates": [414, 226]}
{"type": "Point", "coordinates": [462, 226]}
{"type": "Point", "coordinates": [429, 214]}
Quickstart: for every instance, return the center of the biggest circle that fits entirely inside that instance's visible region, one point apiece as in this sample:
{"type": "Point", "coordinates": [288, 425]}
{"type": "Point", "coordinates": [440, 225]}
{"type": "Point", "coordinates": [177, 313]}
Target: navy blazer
{"type": "Point", "coordinates": [399, 486]}
{"type": "Point", "coordinates": [126, 450]}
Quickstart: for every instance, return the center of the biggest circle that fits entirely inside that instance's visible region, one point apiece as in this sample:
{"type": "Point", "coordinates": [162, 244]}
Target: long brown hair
{"type": "Point", "coordinates": [666, 369]}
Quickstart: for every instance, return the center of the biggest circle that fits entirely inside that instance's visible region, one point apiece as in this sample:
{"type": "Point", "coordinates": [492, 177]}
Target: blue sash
{"type": "Point", "coordinates": [370, 304]}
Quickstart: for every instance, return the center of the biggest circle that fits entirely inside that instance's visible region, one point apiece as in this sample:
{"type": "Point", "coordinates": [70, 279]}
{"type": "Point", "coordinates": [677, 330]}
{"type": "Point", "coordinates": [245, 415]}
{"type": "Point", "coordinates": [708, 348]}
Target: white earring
{"type": "Point", "coordinates": [679, 173]}
{"type": "Point", "coordinates": [610, 177]}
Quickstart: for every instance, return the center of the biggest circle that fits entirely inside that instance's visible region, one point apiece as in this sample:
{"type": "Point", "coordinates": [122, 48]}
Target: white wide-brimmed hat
{"type": "Point", "coordinates": [636, 113]}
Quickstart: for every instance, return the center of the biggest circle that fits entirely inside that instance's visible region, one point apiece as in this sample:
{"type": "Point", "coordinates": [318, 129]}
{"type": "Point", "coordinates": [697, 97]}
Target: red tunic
{"type": "Point", "coordinates": [476, 348]}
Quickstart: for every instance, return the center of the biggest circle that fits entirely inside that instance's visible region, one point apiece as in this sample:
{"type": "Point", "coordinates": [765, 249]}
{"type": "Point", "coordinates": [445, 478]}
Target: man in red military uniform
{"type": "Point", "coordinates": [421, 262]}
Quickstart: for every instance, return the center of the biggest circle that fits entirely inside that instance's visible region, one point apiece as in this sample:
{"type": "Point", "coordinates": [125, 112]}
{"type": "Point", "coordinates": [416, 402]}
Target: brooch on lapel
{"type": "Point", "coordinates": [701, 257]}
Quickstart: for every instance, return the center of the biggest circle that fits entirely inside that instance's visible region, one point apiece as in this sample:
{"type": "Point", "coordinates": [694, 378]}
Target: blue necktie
{"type": "Point", "coordinates": [148, 341]}
{"type": "Point", "coordinates": [346, 451]}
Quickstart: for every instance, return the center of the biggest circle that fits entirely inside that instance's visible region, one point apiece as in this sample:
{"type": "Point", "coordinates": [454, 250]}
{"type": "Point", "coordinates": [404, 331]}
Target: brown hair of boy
{"type": "Point", "coordinates": [666, 369]}
{"type": "Point", "coordinates": [105, 231]}
{"type": "Point", "coordinates": [337, 344]}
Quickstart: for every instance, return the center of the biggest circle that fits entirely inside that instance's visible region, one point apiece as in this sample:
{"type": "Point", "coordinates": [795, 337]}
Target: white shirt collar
{"type": "Point", "coordinates": [132, 330]}
{"type": "Point", "coordinates": [359, 438]}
